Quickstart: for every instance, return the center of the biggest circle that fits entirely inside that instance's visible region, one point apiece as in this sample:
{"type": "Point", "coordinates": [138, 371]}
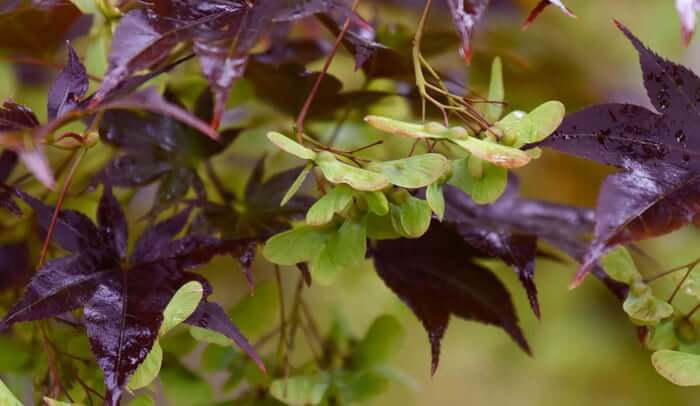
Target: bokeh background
{"type": "Point", "coordinates": [585, 350]}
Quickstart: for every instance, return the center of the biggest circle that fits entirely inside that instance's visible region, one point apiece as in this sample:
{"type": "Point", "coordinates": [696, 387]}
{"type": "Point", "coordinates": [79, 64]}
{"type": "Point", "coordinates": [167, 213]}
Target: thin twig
{"type": "Point", "coordinates": [299, 125]}
{"type": "Point", "coordinates": [691, 264]}
{"type": "Point", "coordinates": [57, 208]}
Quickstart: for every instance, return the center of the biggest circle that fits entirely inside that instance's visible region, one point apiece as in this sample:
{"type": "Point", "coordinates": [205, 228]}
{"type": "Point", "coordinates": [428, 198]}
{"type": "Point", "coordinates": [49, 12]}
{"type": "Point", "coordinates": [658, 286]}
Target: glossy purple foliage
{"type": "Point", "coordinates": [658, 189]}
{"type": "Point", "coordinates": [436, 276]}
{"type": "Point", "coordinates": [122, 297]}
{"type": "Point", "coordinates": [69, 87]}
{"type": "Point", "coordinates": [510, 228]}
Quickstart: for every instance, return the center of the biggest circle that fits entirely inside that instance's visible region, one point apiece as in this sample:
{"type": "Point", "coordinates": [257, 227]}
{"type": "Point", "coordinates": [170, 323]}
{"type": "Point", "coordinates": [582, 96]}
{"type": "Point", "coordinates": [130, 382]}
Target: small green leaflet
{"type": "Point", "coordinates": [301, 390]}
{"type": "Point", "coordinates": [297, 183]}
{"type": "Point", "coordinates": [149, 369]}
{"type": "Point", "coordinates": [436, 200]}
{"type": "Point", "coordinates": [181, 306]}
{"type": "Point", "coordinates": [484, 189]}
{"type": "Point", "coordinates": [413, 172]}
{"type": "Point", "coordinates": [644, 308]}
{"type": "Point", "coordinates": [382, 341]}
{"type": "Point", "coordinates": [339, 172]}
{"type": "Point", "coordinates": [377, 202]}
{"type": "Point", "coordinates": [499, 155]}
{"type": "Point", "coordinates": [183, 303]}
{"type": "Point", "coordinates": [618, 264]}
{"type": "Point", "coordinates": [411, 218]}
{"type": "Point", "coordinates": [346, 247]}
{"type": "Point", "coordinates": [6, 397]}
{"type": "Point", "coordinates": [290, 146]}
{"type": "Point", "coordinates": [545, 119]}
{"type": "Point", "coordinates": [254, 314]}
{"type": "Point", "coordinates": [294, 246]}
{"type": "Point", "coordinates": [209, 336]}
{"type": "Point", "coordinates": [662, 336]}
{"type": "Point", "coordinates": [681, 368]}
{"type": "Point", "coordinates": [492, 108]}
{"type": "Point", "coordinates": [335, 201]}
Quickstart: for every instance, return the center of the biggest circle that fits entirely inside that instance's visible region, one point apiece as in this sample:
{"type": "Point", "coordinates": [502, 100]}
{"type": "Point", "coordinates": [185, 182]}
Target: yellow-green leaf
{"type": "Point", "coordinates": [436, 200]}
{"type": "Point", "coordinates": [500, 155]}
{"type": "Point", "coordinates": [290, 146]}
{"type": "Point", "coordinates": [680, 368]}
{"type": "Point", "coordinates": [301, 390]}
{"type": "Point", "coordinates": [183, 303]}
{"type": "Point", "coordinates": [618, 264]}
{"type": "Point", "coordinates": [297, 245]}
{"type": "Point", "coordinates": [411, 219]}
{"type": "Point", "coordinates": [413, 172]}
{"type": "Point", "coordinates": [6, 397]}
{"type": "Point", "coordinates": [339, 172]}
{"type": "Point", "coordinates": [483, 190]}
{"type": "Point", "coordinates": [148, 371]}
{"type": "Point", "coordinates": [644, 308]}
{"type": "Point", "coordinates": [492, 109]}
{"type": "Point", "coordinates": [335, 201]}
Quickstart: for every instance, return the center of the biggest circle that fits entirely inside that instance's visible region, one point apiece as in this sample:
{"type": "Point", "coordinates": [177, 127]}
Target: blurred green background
{"type": "Point", "coordinates": [585, 350]}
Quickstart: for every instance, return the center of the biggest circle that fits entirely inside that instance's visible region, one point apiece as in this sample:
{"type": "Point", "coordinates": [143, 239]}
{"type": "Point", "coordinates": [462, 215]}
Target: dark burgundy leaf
{"type": "Point", "coordinates": [517, 221]}
{"type": "Point", "coordinates": [658, 190]}
{"type": "Point", "coordinates": [123, 317]}
{"type": "Point", "coordinates": [141, 40]}
{"type": "Point", "coordinates": [286, 87]}
{"type": "Point", "coordinates": [112, 223]}
{"type": "Point", "coordinates": [155, 240]}
{"type": "Point", "coordinates": [39, 27]}
{"type": "Point", "coordinates": [245, 255]}
{"type": "Point", "coordinates": [15, 266]}
{"type": "Point", "coordinates": [16, 117]}
{"type": "Point", "coordinates": [73, 231]}
{"type": "Point", "coordinates": [436, 277]}
{"type": "Point", "coordinates": [134, 170]}
{"type": "Point", "coordinates": [518, 251]}
{"type": "Point", "coordinates": [122, 301]}
{"type": "Point", "coordinates": [619, 135]}
{"type": "Point", "coordinates": [300, 51]}
{"type": "Point", "coordinates": [149, 100]}
{"type": "Point", "coordinates": [61, 285]}
{"type": "Point", "coordinates": [655, 203]}
{"type": "Point", "coordinates": [673, 89]}
{"type": "Point", "coordinates": [8, 161]}
{"type": "Point", "coordinates": [69, 87]}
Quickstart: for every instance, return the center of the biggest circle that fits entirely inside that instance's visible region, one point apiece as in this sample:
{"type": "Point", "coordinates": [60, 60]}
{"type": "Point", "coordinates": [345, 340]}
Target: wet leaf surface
{"type": "Point", "coordinates": [122, 299]}
{"type": "Point", "coordinates": [436, 277]}
{"type": "Point", "coordinates": [657, 191]}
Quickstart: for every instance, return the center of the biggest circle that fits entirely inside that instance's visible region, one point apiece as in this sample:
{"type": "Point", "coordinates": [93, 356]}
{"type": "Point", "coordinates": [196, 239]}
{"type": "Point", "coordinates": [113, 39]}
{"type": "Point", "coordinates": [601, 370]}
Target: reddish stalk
{"type": "Point", "coordinates": [57, 209]}
{"type": "Point", "coordinates": [299, 125]}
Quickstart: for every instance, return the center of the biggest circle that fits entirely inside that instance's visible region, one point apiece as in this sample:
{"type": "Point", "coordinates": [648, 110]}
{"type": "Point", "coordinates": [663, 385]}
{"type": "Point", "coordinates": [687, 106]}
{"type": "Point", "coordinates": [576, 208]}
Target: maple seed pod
{"type": "Point", "coordinates": [445, 177]}
{"type": "Point", "coordinates": [435, 128]}
{"type": "Point", "coordinates": [399, 196]}
{"type": "Point", "coordinates": [459, 133]}
{"type": "Point", "coordinates": [638, 286]}
{"type": "Point", "coordinates": [475, 167]}
{"type": "Point", "coordinates": [491, 136]}
{"type": "Point", "coordinates": [508, 137]}
{"type": "Point", "coordinates": [685, 331]}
